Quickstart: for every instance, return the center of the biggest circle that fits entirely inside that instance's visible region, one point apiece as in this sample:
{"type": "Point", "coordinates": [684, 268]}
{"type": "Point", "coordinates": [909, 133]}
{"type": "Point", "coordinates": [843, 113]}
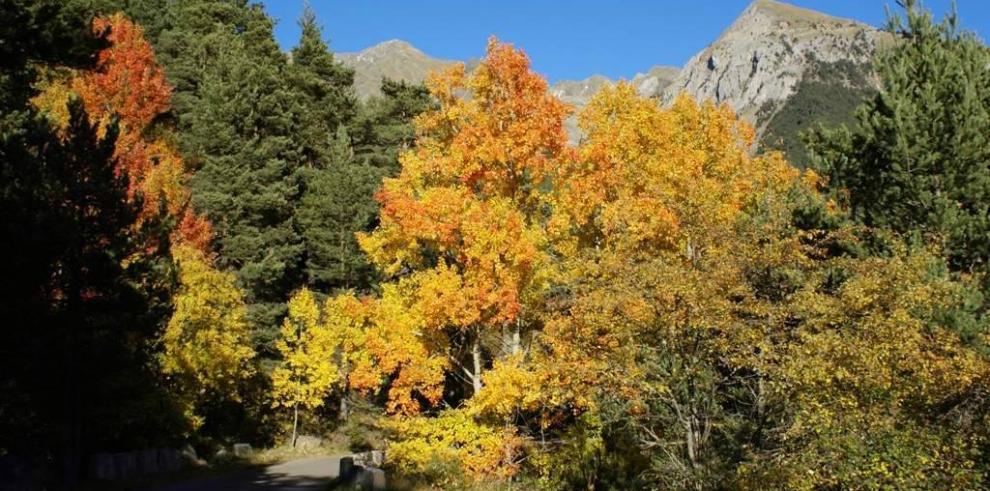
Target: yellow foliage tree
{"type": "Point", "coordinates": [463, 244]}
{"type": "Point", "coordinates": [875, 378]}
{"type": "Point", "coordinates": [206, 344]}
{"type": "Point", "coordinates": [307, 373]}
{"type": "Point", "coordinates": [428, 447]}
{"type": "Point", "coordinates": [687, 276]}
{"type": "Point", "coordinates": [656, 259]}
{"type": "Point", "coordinates": [660, 267]}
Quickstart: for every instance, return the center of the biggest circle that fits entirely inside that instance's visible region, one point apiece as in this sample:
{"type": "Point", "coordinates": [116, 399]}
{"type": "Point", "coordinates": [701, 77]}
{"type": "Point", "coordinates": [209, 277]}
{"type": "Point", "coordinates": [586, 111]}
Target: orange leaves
{"type": "Point", "coordinates": [128, 84]}
{"type": "Point", "coordinates": [462, 225]}
{"type": "Point", "coordinates": [127, 81]}
{"type": "Point", "coordinates": [506, 135]}
{"type": "Point", "coordinates": [193, 230]}
{"type": "Point", "coordinates": [467, 193]}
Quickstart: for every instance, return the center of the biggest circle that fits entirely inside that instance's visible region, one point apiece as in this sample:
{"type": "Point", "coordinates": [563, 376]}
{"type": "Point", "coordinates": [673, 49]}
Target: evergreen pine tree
{"type": "Point", "coordinates": [918, 161]}
{"type": "Point", "coordinates": [326, 92]}
{"type": "Point", "coordinates": [337, 200]}
{"type": "Point", "coordinates": [249, 180]}
{"type": "Point", "coordinates": [238, 121]}
{"type": "Point", "coordinates": [384, 127]}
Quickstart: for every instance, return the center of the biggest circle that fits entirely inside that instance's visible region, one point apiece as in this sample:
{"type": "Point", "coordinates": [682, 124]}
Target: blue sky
{"type": "Point", "coordinates": [566, 39]}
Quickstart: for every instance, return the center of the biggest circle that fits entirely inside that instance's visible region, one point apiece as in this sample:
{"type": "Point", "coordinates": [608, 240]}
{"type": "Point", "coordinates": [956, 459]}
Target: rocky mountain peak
{"type": "Point", "coordinates": [758, 61]}
{"type": "Point", "coordinates": [773, 9]}
{"type": "Point", "coordinates": [774, 60]}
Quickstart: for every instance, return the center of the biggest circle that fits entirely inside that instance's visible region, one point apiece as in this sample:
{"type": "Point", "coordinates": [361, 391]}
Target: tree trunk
{"type": "Point", "coordinates": [345, 372]}
{"type": "Point", "coordinates": [295, 424]}
{"type": "Point", "coordinates": [516, 340]}
{"type": "Point", "coordinates": [476, 358]}
{"type": "Point", "coordinates": [343, 413]}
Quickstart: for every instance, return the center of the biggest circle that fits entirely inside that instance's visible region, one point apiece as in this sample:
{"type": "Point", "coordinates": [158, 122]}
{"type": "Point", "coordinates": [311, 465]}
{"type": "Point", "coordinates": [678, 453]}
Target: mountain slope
{"type": "Point", "coordinates": [763, 55]}
{"type": "Point", "coordinates": [778, 60]}
{"type": "Point", "coordinates": [395, 59]}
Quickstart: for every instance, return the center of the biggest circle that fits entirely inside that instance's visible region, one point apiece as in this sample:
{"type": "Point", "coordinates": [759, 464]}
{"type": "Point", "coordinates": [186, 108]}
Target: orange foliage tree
{"type": "Point", "coordinates": [127, 86]}
{"type": "Point", "coordinates": [462, 232]}
{"type": "Point", "coordinates": [463, 245]}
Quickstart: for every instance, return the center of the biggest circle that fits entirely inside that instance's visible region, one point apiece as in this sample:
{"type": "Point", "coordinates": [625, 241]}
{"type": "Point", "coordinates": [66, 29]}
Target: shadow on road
{"type": "Point", "coordinates": [300, 475]}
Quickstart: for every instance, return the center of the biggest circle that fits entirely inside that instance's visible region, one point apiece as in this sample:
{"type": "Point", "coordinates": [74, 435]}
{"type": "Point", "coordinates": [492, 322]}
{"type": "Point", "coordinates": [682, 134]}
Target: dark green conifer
{"type": "Point", "coordinates": [918, 161]}
{"type": "Point", "coordinates": [384, 127]}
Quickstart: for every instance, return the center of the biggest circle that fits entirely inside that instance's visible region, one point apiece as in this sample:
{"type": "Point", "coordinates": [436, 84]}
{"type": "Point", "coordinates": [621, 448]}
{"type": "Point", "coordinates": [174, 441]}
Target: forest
{"type": "Point", "coordinates": [212, 241]}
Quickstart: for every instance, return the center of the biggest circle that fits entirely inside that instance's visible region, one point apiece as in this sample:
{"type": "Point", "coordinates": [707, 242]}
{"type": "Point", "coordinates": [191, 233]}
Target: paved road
{"type": "Point", "coordinates": [312, 474]}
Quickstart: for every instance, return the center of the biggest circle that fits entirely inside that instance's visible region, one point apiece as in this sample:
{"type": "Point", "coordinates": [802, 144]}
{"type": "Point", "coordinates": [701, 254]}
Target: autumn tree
{"type": "Point", "coordinates": [461, 241]}
{"type": "Point", "coordinates": [880, 390]}
{"type": "Point", "coordinates": [346, 319]}
{"type": "Point", "coordinates": [307, 373]}
{"type": "Point", "coordinates": [206, 345]}
{"type": "Point", "coordinates": [655, 312]}
{"type": "Point", "coordinates": [128, 87]}
{"type": "Point", "coordinates": [696, 323]}
{"type": "Point", "coordinates": [460, 225]}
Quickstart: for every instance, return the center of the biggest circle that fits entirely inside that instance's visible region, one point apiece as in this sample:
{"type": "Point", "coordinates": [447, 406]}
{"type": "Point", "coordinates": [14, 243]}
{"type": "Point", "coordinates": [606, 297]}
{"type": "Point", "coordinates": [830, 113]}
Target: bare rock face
{"type": "Point", "coordinates": [655, 81]}
{"type": "Point", "coordinates": [395, 59]}
{"type": "Point", "coordinates": [758, 62]}
{"type": "Point", "coordinates": [578, 92]}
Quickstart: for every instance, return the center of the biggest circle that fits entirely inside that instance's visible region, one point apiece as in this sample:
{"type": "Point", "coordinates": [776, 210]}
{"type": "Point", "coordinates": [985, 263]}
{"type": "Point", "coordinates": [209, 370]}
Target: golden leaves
{"type": "Point", "coordinates": [462, 224]}
{"type": "Point", "coordinates": [655, 178]}
{"type": "Point", "coordinates": [307, 373]}
{"type": "Point", "coordinates": [206, 344]}
{"type": "Point", "coordinates": [660, 237]}
{"type": "Point", "coordinates": [453, 437]}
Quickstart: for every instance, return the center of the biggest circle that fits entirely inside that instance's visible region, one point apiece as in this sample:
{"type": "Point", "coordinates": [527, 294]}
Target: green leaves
{"type": "Point", "coordinates": [916, 160]}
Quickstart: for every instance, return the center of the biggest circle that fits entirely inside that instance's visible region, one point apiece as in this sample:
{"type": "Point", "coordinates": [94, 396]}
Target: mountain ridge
{"type": "Point", "coordinates": [759, 63]}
